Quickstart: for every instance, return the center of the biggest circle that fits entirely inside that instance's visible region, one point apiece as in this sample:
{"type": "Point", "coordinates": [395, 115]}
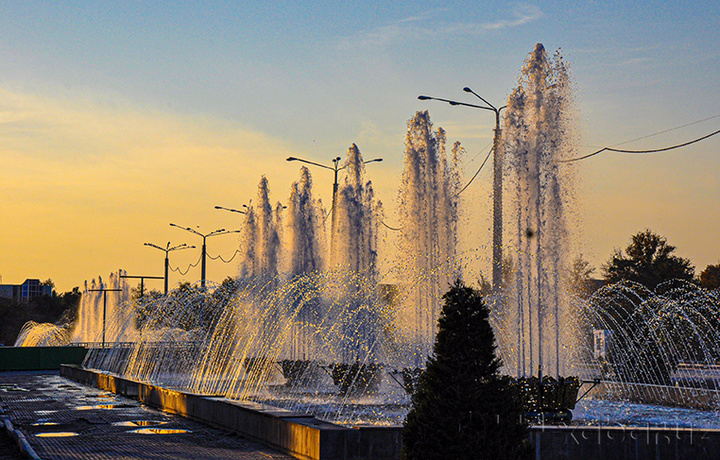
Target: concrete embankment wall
{"type": "Point", "coordinates": [305, 437]}
{"type": "Point", "coordinates": [297, 434]}
{"type": "Point", "coordinates": [617, 442]}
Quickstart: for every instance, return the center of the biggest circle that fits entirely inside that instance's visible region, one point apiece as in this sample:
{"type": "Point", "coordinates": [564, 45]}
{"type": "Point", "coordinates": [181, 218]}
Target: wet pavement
{"type": "Point", "coordinates": [63, 420]}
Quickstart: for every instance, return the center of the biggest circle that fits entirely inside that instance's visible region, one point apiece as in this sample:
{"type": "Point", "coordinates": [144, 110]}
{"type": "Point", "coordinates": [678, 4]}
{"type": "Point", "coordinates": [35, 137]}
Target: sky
{"type": "Point", "coordinates": [119, 118]}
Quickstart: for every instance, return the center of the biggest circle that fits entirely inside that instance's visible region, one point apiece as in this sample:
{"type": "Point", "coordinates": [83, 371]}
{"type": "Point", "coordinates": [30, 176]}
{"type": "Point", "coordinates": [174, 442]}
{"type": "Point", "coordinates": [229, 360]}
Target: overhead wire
{"type": "Point", "coordinates": [646, 151]}
{"type": "Point", "coordinates": [237, 251]}
{"type": "Point", "coordinates": [188, 269]}
{"type": "Point", "coordinates": [477, 172]}
{"type": "Point", "coordinates": [669, 130]}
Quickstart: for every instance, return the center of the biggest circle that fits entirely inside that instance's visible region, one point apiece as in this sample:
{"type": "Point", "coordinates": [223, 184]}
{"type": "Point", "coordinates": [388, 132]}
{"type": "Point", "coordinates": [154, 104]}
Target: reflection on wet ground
{"type": "Point", "coordinates": [63, 420]}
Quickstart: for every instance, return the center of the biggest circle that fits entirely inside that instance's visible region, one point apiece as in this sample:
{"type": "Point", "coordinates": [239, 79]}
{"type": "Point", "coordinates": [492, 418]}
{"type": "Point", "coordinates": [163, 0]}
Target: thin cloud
{"type": "Point", "coordinates": [427, 26]}
{"type": "Point", "coordinates": [523, 14]}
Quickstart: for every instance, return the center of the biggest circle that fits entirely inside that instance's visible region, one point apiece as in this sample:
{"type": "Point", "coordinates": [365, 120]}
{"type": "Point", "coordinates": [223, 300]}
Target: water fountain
{"type": "Point", "coordinates": [99, 314]}
{"type": "Point", "coordinates": [309, 326]}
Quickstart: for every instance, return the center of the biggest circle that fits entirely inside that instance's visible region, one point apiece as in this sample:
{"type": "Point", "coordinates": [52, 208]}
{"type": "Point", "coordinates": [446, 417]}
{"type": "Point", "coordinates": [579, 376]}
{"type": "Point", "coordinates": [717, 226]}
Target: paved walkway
{"type": "Point", "coordinates": [64, 420]}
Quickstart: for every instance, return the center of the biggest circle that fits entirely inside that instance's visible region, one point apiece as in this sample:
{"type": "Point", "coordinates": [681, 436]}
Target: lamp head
{"type": "Point", "coordinates": [467, 90]}
{"type": "Point", "coordinates": [423, 98]}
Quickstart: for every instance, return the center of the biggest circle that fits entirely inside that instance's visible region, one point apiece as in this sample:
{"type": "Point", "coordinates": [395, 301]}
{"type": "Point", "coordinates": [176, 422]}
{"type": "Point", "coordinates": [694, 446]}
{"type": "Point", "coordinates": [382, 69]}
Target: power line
{"type": "Point", "coordinates": [664, 149]}
{"type": "Point", "coordinates": [237, 251]}
{"type": "Point", "coordinates": [391, 228]}
{"type": "Point", "coordinates": [477, 172]}
{"type": "Point", "coordinates": [188, 269]}
{"type": "Point", "coordinates": [669, 130]}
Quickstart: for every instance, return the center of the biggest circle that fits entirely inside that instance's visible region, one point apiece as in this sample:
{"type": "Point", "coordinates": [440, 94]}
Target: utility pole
{"type": "Point", "coordinates": [142, 281]}
{"type": "Point", "coordinates": [167, 250]}
{"type": "Point", "coordinates": [497, 184]}
{"type": "Point", "coordinates": [221, 231]}
{"type": "Point", "coordinates": [104, 291]}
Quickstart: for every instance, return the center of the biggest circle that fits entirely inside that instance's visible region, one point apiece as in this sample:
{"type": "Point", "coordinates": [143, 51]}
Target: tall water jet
{"type": "Point", "coordinates": [260, 241]}
{"type": "Point", "coordinates": [357, 220]}
{"type": "Point", "coordinates": [101, 312]}
{"type": "Point", "coordinates": [304, 253]}
{"type": "Point", "coordinates": [305, 229]}
{"type": "Point", "coordinates": [537, 137]}
{"type": "Point", "coordinates": [428, 208]}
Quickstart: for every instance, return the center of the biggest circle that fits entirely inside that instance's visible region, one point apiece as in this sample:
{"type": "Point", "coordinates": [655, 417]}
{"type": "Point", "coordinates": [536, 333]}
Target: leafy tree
{"type": "Point", "coordinates": [710, 277]}
{"type": "Point", "coordinates": [463, 408]}
{"type": "Point", "coordinates": [649, 261]}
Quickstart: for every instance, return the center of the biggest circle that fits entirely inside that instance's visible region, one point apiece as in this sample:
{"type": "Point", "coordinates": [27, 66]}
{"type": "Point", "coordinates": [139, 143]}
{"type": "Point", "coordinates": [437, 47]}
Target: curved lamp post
{"type": "Point", "coordinates": [205, 236]}
{"type": "Point", "coordinates": [497, 182]}
{"type": "Point", "coordinates": [167, 250]}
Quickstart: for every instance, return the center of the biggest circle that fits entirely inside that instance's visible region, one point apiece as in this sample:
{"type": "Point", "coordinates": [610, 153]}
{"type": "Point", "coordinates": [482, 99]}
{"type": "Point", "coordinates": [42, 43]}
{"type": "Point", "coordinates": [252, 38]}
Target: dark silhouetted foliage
{"type": "Point", "coordinates": [649, 261]}
{"type": "Point", "coordinates": [710, 277]}
{"type": "Point", "coordinates": [463, 408]}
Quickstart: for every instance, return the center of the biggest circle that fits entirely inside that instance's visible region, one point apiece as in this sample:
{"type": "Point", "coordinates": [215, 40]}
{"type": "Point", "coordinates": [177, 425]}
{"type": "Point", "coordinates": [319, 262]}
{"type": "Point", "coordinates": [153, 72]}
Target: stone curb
{"type": "Point", "coordinates": [19, 437]}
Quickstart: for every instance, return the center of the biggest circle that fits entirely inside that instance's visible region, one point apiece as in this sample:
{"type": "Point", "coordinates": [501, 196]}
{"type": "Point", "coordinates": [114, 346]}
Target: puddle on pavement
{"type": "Point", "coordinates": [140, 423]}
{"type": "Point", "coordinates": [44, 424]}
{"type": "Point", "coordinates": [10, 388]}
{"type": "Point", "coordinates": [58, 434]}
{"type": "Point", "coordinates": [159, 431]}
{"type": "Point", "coordinates": [104, 406]}
{"type": "Point", "coordinates": [45, 412]}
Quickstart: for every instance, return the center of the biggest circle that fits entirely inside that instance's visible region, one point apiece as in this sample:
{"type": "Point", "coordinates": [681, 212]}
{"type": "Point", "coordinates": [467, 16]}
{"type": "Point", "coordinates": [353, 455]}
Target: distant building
{"type": "Point", "coordinates": [30, 289]}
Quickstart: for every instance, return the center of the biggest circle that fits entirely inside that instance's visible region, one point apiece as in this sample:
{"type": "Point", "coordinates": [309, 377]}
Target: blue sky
{"type": "Point", "coordinates": [129, 115]}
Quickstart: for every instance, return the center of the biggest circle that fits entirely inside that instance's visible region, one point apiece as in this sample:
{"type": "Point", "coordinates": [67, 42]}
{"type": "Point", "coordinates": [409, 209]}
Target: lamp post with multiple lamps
{"type": "Point", "coordinates": [205, 236]}
{"type": "Point", "coordinates": [167, 250]}
{"type": "Point", "coordinates": [497, 182]}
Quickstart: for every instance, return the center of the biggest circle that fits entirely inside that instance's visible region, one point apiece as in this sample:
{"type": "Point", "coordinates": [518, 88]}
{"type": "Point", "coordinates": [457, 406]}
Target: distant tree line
{"type": "Point", "coordinates": [57, 308]}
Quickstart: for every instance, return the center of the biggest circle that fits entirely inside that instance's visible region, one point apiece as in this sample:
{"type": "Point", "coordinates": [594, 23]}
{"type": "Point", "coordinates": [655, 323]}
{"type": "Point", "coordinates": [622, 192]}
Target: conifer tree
{"type": "Point", "coordinates": [463, 408]}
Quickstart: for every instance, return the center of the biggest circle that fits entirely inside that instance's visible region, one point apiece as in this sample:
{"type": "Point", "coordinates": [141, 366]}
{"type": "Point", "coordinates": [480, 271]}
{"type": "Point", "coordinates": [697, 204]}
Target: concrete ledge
{"type": "Point", "coordinates": [306, 437]}
{"type": "Point", "coordinates": [300, 435]}
{"type": "Point", "coordinates": [696, 398]}
{"type": "Point", "coordinates": [603, 442]}
{"type": "Point", "coordinates": [18, 437]}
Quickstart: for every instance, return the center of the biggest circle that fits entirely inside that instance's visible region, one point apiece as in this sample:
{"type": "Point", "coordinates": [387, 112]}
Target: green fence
{"type": "Point", "coordinates": [39, 358]}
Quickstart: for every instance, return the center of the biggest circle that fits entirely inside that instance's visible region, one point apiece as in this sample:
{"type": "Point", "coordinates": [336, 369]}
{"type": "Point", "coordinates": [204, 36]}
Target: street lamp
{"type": "Point", "coordinates": [233, 210]}
{"type": "Point", "coordinates": [497, 182]}
{"type": "Point", "coordinates": [104, 291]}
{"type": "Point", "coordinates": [335, 168]}
{"type": "Point", "coordinates": [142, 281]}
{"type": "Point", "coordinates": [221, 231]}
{"type": "Point", "coordinates": [167, 250]}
